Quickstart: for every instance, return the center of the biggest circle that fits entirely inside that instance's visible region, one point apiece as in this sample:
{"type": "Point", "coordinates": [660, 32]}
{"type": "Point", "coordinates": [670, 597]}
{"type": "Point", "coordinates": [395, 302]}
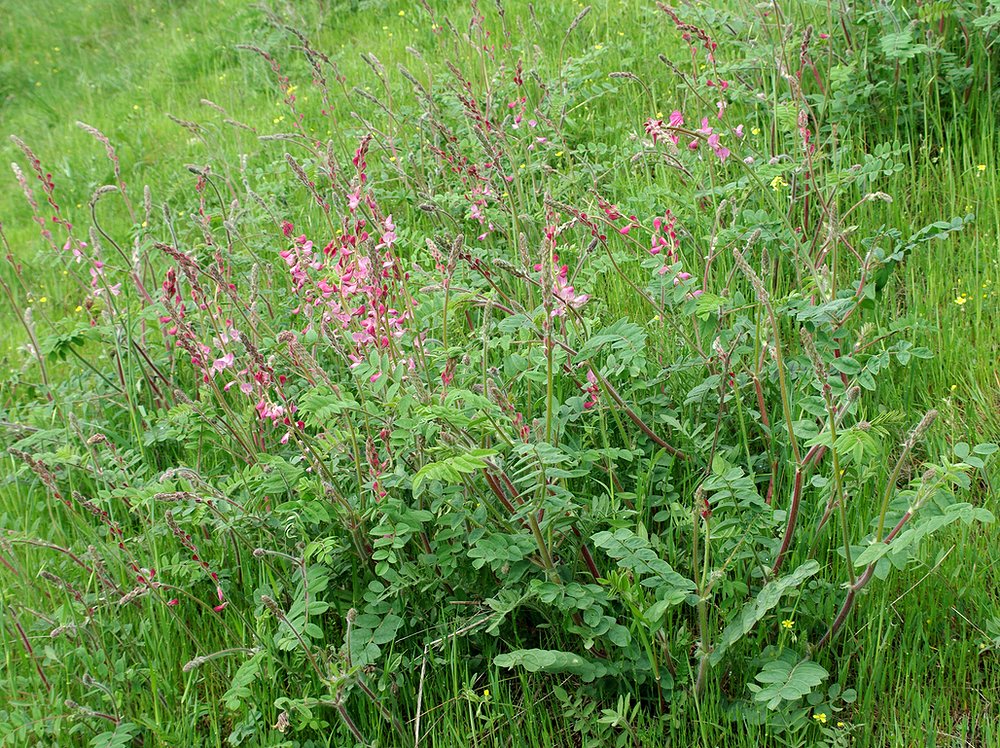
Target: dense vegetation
{"type": "Point", "coordinates": [487, 373]}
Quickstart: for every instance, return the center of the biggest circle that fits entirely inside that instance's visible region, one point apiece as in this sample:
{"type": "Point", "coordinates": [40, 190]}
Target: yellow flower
{"type": "Point", "coordinates": [79, 308]}
{"type": "Point", "coordinates": [598, 47]}
{"type": "Point", "coordinates": [755, 131]}
{"type": "Point", "coordinates": [659, 115]}
{"type": "Point", "coordinates": [402, 13]}
{"type": "Point", "coordinates": [135, 107]}
{"type": "Point", "coordinates": [145, 224]}
{"type": "Point", "coordinates": [558, 154]}
{"type": "Point", "coordinates": [787, 624]}
{"type": "Point", "coordinates": [840, 724]}
{"type": "Point", "coordinates": [486, 693]}
{"type": "Point", "coordinates": [954, 387]}
{"type": "Point", "coordinates": [961, 299]}
{"type": "Point", "coordinates": [821, 718]}
{"type": "Point", "coordinates": [778, 182]}
{"type": "Point", "coordinates": [981, 167]}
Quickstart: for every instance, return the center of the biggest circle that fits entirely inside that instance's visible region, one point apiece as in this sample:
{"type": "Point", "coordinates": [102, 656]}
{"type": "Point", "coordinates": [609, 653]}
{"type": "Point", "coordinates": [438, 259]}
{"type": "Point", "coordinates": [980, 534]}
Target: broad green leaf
{"type": "Point", "coordinates": [551, 661]}
{"type": "Point", "coordinates": [636, 555]}
{"type": "Point", "coordinates": [769, 596]}
{"type": "Point", "coordinates": [785, 681]}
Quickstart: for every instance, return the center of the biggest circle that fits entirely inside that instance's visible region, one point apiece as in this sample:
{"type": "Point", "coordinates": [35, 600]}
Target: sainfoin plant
{"type": "Point", "coordinates": [320, 431]}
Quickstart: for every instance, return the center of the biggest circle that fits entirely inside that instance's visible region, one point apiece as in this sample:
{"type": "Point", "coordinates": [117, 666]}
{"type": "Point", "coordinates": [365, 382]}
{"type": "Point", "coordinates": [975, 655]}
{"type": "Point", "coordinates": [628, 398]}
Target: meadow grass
{"type": "Point", "coordinates": [923, 663]}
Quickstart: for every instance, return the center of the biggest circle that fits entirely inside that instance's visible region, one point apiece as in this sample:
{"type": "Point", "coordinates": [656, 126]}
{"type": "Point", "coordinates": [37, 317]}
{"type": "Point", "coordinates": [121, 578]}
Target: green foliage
{"type": "Point", "coordinates": [551, 661]}
{"type": "Point", "coordinates": [768, 597]}
{"type": "Point", "coordinates": [439, 387]}
{"type": "Point", "coordinates": [785, 680]}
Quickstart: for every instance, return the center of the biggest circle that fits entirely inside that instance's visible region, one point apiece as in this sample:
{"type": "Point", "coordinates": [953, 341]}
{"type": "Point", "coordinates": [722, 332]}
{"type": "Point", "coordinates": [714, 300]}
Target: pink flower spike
{"type": "Point", "coordinates": [175, 601]}
{"type": "Point", "coordinates": [220, 608]}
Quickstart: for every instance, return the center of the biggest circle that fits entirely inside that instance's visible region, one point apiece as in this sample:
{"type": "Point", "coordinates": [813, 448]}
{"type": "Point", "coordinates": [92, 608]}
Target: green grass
{"type": "Point", "coordinates": [913, 652]}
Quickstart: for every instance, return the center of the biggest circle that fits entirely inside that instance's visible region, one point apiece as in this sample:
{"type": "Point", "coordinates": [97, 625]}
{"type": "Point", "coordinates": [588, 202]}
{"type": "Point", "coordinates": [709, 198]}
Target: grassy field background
{"type": "Point", "coordinates": [925, 667]}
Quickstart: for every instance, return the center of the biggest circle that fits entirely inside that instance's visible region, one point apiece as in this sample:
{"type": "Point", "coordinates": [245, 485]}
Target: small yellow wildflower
{"type": "Point", "coordinates": [981, 167]}
{"type": "Point", "coordinates": [38, 84]}
{"type": "Point", "coordinates": [135, 107]}
{"type": "Point", "coordinates": [558, 154]}
{"type": "Point", "coordinates": [659, 115]}
{"type": "Point", "coordinates": [598, 47]}
{"type": "Point", "coordinates": [840, 724]}
{"type": "Point", "coordinates": [961, 299]}
{"type": "Point", "coordinates": [954, 387]}
{"type": "Point", "coordinates": [821, 718]}
{"type": "Point", "coordinates": [392, 159]}
{"type": "Point", "coordinates": [486, 693]}
{"type": "Point", "coordinates": [787, 624]}
{"type": "Point", "coordinates": [755, 131]}
{"type": "Point", "coordinates": [79, 308]}
{"type": "Point", "coordinates": [778, 182]}
{"type": "Point", "coordinates": [145, 224]}
{"type": "Point", "coordinates": [43, 299]}
{"type": "Point", "coordinates": [402, 13]}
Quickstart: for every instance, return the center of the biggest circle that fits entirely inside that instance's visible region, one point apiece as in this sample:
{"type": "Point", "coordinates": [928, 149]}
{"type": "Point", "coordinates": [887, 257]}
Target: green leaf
{"type": "Point", "coordinates": [551, 661]}
{"type": "Point", "coordinates": [785, 681]}
{"type": "Point", "coordinates": [636, 555]}
{"type": "Point", "coordinates": [451, 469]}
{"type": "Point", "coordinates": [900, 46]}
{"type": "Point", "coordinates": [120, 737]}
{"type": "Point", "coordinates": [769, 596]}
{"type": "Point", "coordinates": [239, 689]}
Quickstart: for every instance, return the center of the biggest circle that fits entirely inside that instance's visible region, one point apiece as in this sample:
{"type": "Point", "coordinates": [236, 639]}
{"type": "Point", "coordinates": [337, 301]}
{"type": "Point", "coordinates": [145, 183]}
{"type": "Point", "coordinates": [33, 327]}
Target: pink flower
{"type": "Point", "coordinates": [654, 128]}
{"type": "Point", "coordinates": [592, 390]}
{"type": "Point", "coordinates": [721, 151]}
{"type": "Point", "coordinates": [221, 363]}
